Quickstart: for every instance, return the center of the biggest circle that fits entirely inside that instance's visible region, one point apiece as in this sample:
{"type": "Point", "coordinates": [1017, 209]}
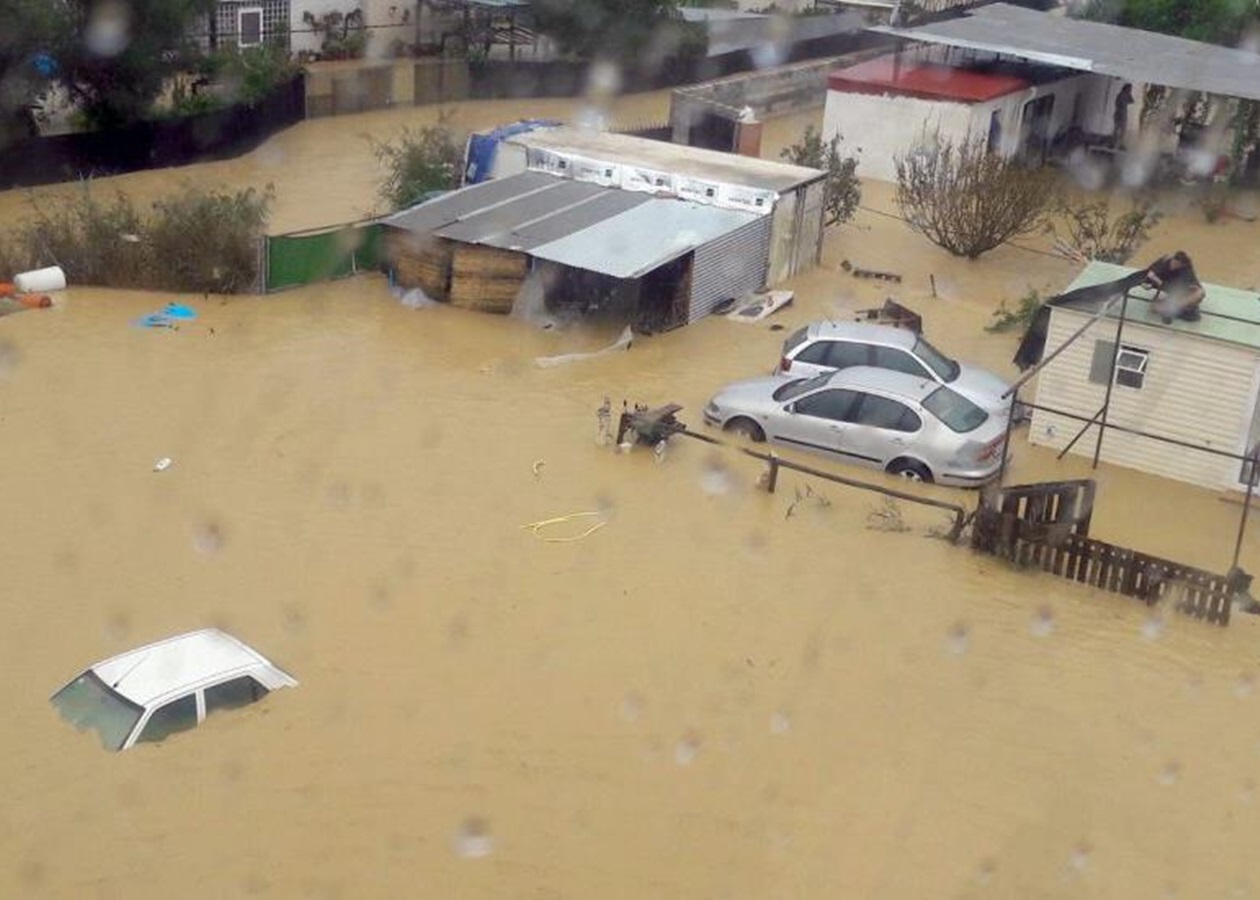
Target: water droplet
{"type": "Point", "coordinates": [780, 723]}
{"type": "Point", "coordinates": [631, 707]}
{"type": "Point", "coordinates": [1245, 686]}
{"type": "Point", "coordinates": [208, 538]}
{"type": "Point", "coordinates": [958, 639]}
{"type": "Point", "coordinates": [1078, 860]}
{"type": "Point", "coordinates": [984, 874]}
{"type": "Point", "coordinates": [1043, 622]}
{"type": "Point", "coordinates": [686, 750]}
{"type": "Point", "coordinates": [473, 840]}
{"type": "Point", "coordinates": [10, 356]}
{"type": "Point", "coordinates": [1247, 793]}
{"type": "Point", "coordinates": [1170, 774]}
{"type": "Point", "coordinates": [1153, 626]}
{"type": "Point", "coordinates": [716, 478]}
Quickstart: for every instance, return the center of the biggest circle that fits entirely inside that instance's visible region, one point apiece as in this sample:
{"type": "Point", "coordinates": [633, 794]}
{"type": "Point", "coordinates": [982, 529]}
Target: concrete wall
{"type": "Point", "coordinates": [389, 23]}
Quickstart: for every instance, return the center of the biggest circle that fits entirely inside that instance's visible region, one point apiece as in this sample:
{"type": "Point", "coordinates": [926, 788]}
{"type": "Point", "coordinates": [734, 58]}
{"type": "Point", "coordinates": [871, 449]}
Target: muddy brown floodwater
{"type": "Point", "coordinates": [719, 693]}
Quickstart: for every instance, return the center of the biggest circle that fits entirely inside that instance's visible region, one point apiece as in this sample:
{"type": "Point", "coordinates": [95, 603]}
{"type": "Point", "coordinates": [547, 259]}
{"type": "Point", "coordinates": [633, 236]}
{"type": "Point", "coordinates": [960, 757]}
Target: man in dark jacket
{"type": "Point", "coordinates": [1177, 289]}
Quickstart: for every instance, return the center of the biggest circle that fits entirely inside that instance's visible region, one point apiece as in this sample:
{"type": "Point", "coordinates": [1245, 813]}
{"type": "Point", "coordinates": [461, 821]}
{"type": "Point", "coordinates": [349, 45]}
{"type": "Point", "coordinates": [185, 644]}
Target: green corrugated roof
{"type": "Point", "coordinates": [1229, 314]}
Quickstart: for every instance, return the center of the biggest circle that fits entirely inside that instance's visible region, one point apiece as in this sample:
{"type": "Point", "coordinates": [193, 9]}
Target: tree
{"type": "Point", "coordinates": [967, 200]}
{"type": "Point", "coordinates": [1213, 21]}
{"type": "Point", "coordinates": [843, 191]}
{"type": "Point", "coordinates": [634, 33]}
{"type": "Point", "coordinates": [419, 162]}
{"type": "Point", "coordinates": [115, 57]}
{"type": "Point", "coordinates": [30, 31]}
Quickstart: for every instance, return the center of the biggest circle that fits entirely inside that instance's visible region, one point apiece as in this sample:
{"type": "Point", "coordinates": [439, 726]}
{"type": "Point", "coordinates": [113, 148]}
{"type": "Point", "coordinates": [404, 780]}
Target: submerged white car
{"type": "Point", "coordinates": [168, 686]}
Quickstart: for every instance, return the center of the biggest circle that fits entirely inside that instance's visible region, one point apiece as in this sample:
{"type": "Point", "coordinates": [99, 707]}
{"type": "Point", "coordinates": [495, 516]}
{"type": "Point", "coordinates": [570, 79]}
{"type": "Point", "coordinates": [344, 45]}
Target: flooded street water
{"type": "Point", "coordinates": [718, 693]}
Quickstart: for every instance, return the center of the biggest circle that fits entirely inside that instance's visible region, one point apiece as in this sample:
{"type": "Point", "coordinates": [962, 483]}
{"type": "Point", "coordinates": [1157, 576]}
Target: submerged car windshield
{"type": "Point", "coordinates": [794, 389]}
{"type": "Point", "coordinates": [956, 411]}
{"type": "Point", "coordinates": [937, 361]}
{"type": "Point", "coordinates": [88, 702]}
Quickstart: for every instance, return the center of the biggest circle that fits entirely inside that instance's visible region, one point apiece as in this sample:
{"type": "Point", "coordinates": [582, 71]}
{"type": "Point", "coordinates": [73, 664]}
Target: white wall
{"type": "Point", "coordinates": [875, 129]}
{"type": "Point", "coordinates": [387, 21]}
{"type": "Point", "coordinates": [1196, 390]}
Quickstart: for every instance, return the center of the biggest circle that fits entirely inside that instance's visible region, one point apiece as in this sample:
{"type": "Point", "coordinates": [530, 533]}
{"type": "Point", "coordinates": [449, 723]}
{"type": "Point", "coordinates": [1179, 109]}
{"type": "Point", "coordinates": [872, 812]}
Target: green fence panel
{"type": "Point", "coordinates": [297, 259]}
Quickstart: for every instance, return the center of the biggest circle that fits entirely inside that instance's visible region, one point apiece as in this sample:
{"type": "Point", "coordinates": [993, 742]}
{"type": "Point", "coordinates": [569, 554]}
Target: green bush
{"type": "Point", "coordinates": [1007, 319]}
{"type": "Point", "coordinates": [417, 163]}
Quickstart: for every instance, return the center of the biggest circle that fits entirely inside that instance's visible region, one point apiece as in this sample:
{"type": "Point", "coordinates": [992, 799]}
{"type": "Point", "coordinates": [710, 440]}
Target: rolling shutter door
{"type": "Point", "coordinates": [729, 266]}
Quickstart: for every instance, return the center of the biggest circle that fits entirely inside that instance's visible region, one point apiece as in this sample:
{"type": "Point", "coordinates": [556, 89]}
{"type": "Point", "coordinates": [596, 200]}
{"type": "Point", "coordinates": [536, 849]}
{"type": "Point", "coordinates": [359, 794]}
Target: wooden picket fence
{"type": "Point", "coordinates": [1046, 526]}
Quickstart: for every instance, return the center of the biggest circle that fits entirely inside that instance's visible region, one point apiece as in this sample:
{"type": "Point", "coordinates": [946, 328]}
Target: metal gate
{"type": "Point", "coordinates": [729, 266]}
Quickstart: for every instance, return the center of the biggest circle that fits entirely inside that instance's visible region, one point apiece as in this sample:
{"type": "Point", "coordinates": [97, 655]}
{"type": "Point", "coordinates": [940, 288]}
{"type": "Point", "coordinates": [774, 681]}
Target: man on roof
{"type": "Point", "coordinates": [1178, 292]}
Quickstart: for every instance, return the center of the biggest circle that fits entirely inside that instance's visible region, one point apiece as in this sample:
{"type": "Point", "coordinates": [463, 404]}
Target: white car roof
{"type": "Point", "coordinates": [185, 662]}
{"type": "Point", "coordinates": [868, 332]}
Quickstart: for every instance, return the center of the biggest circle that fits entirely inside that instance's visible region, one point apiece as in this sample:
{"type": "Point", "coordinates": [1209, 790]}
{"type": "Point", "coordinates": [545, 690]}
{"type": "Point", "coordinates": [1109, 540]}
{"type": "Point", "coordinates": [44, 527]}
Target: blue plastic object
{"type": "Point", "coordinates": [179, 311]}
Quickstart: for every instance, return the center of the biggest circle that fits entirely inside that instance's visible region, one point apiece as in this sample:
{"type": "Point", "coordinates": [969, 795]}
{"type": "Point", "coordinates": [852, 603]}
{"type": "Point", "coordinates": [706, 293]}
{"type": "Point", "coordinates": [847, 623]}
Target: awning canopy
{"type": "Point", "coordinates": [623, 234]}
{"type": "Point", "coordinates": [1112, 50]}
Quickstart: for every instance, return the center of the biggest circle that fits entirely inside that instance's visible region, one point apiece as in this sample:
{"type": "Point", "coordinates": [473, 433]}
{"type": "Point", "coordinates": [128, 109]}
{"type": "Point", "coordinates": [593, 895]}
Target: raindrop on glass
{"type": "Point", "coordinates": [10, 356]}
{"type": "Point", "coordinates": [1153, 626]}
{"type": "Point", "coordinates": [631, 707]}
{"type": "Point", "coordinates": [1247, 793]}
{"type": "Point", "coordinates": [1170, 774]}
{"type": "Point", "coordinates": [686, 750]}
{"type": "Point", "coordinates": [208, 538]}
{"type": "Point", "coordinates": [984, 874]}
{"type": "Point", "coordinates": [1245, 686]}
{"type": "Point", "coordinates": [715, 479]}
{"type": "Point", "coordinates": [473, 840]}
{"type": "Point", "coordinates": [1078, 860]}
{"type": "Point", "coordinates": [1043, 622]}
{"type": "Point", "coordinates": [780, 723]}
{"type": "Point", "coordinates": [958, 638]}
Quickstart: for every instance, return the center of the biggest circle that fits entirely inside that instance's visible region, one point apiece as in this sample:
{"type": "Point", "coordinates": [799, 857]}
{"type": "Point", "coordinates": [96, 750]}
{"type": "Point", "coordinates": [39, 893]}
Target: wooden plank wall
{"type": "Point", "coordinates": [420, 261]}
{"type": "Point", "coordinates": [1040, 526]}
{"type": "Point", "coordinates": [486, 278]}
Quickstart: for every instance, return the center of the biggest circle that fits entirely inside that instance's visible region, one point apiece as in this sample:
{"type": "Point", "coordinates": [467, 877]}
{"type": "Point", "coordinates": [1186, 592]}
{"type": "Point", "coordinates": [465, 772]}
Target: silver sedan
{"type": "Point", "coordinates": [904, 424]}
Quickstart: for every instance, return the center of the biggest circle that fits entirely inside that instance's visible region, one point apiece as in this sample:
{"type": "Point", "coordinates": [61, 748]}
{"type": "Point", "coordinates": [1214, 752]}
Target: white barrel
{"type": "Point", "coordinates": [38, 281]}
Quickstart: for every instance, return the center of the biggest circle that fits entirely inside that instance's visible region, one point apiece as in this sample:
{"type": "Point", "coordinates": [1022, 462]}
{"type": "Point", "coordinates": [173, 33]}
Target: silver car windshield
{"type": "Point", "coordinates": [945, 368]}
{"type": "Point", "coordinates": [88, 702]}
{"type": "Point", "coordinates": [794, 389]}
{"type": "Point", "coordinates": [956, 411]}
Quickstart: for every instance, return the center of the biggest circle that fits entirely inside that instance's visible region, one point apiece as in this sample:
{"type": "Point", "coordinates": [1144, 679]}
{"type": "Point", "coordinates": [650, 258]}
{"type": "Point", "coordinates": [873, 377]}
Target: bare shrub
{"type": "Point", "coordinates": [207, 241]}
{"type": "Point", "coordinates": [966, 200]}
{"type": "Point", "coordinates": [1092, 231]}
{"type": "Point", "coordinates": [197, 240]}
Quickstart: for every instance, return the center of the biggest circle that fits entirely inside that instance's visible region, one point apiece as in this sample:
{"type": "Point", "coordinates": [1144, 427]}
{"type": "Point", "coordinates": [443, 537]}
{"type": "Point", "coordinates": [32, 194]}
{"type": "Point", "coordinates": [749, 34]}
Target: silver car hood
{"type": "Point", "coordinates": [754, 394]}
{"type": "Point", "coordinates": [981, 387]}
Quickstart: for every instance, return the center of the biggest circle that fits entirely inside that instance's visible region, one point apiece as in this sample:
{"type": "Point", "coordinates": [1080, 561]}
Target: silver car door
{"type": "Point", "coordinates": [817, 421]}
{"type": "Point", "coordinates": [882, 429]}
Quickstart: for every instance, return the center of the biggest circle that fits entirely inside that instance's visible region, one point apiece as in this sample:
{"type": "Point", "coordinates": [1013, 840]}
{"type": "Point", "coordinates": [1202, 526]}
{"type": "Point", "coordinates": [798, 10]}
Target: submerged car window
{"type": "Point", "coordinates": [937, 361]}
{"type": "Point", "coordinates": [88, 702]}
{"type": "Point", "coordinates": [795, 340]}
{"type": "Point", "coordinates": [231, 694]}
{"type": "Point", "coordinates": [815, 354]}
{"type": "Point", "coordinates": [794, 389]}
{"type": "Point", "coordinates": [835, 405]}
{"type": "Point", "coordinates": [956, 411]}
{"type": "Point", "coordinates": [178, 715]}
{"type": "Point", "coordinates": [842, 354]}
{"type": "Point", "coordinates": [899, 361]}
{"type": "Point", "coordinates": [880, 412]}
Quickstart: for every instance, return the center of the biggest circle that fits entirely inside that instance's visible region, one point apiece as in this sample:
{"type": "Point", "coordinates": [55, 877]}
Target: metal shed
{"type": "Point", "coordinates": [1183, 396]}
{"type": "Point", "coordinates": [661, 261]}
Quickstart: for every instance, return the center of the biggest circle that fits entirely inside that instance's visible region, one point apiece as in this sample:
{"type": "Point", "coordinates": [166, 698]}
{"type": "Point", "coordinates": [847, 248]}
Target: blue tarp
{"type": "Point", "coordinates": [482, 147]}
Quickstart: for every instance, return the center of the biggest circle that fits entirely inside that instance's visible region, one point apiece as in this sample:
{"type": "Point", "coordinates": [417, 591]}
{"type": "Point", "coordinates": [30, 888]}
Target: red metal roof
{"type": "Point", "coordinates": [918, 79]}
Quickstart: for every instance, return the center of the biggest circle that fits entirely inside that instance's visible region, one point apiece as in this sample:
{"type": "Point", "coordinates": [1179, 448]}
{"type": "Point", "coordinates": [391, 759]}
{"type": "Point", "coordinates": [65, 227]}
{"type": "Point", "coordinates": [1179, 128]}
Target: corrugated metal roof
{"type": "Point", "coordinates": [1228, 314]}
{"type": "Point", "coordinates": [635, 242]}
{"type": "Point", "coordinates": [441, 211]}
{"type": "Point", "coordinates": [624, 234]}
{"type": "Point", "coordinates": [694, 162]}
{"type": "Point", "coordinates": [1112, 50]}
